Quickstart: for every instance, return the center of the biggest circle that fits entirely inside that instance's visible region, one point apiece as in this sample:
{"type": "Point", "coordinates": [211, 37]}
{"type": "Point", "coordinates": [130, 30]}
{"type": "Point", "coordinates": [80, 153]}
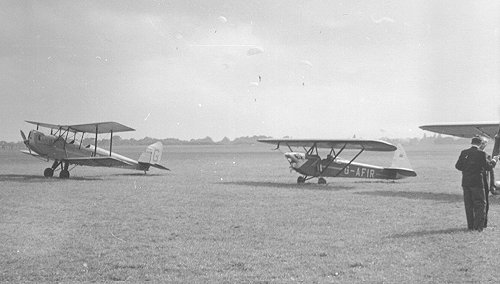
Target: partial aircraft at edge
{"type": "Point", "coordinates": [62, 147]}
{"type": "Point", "coordinates": [465, 130]}
{"type": "Point", "coordinates": [310, 165]}
{"type": "Point", "coordinates": [488, 130]}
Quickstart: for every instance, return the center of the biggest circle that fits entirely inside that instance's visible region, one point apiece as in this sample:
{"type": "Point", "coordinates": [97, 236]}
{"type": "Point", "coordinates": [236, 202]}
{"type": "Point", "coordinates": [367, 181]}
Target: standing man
{"type": "Point", "coordinates": [472, 163]}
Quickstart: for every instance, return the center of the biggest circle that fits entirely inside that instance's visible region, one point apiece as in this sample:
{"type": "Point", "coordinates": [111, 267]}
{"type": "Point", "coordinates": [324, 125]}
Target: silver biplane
{"type": "Point", "coordinates": [62, 146]}
{"type": "Point", "coordinates": [311, 165]}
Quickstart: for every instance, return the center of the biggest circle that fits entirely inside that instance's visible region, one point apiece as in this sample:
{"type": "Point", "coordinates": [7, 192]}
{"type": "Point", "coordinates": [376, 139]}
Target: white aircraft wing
{"type": "Point", "coordinates": [98, 127]}
{"type": "Point", "coordinates": [466, 130]}
{"type": "Point", "coordinates": [31, 153]}
{"type": "Point", "coordinates": [98, 162]}
{"type": "Point", "coordinates": [357, 144]}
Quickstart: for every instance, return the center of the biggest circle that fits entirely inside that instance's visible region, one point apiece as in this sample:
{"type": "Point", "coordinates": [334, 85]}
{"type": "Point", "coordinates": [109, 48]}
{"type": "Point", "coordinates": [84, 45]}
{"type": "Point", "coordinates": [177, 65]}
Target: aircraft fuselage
{"type": "Point", "coordinates": [314, 166]}
{"type": "Point", "coordinates": [57, 148]}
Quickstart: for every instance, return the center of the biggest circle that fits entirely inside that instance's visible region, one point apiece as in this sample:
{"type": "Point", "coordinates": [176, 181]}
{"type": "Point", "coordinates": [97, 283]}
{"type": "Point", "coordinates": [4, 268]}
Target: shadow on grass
{"type": "Point", "coordinates": [443, 197]}
{"type": "Point", "coordinates": [388, 181]}
{"type": "Point", "coordinates": [428, 233]}
{"type": "Point", "coordinates": [289, 185]}
{"type": "Point", "coordinates": [137, 174]}
{"type": "Point", "coordinates": [36, 178]}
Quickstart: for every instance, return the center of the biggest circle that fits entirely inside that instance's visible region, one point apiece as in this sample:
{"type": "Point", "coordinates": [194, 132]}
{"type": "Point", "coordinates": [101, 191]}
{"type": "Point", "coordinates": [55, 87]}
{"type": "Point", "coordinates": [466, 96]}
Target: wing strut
{"type": "Point", "coordinates": [336, 155]}
{"type": "Point", "coordinates": [352, 160]}
{"type": "Point", "coordinates": [482, 132]}
{"type": "Point", "coordinates": [81, 141]}
{"type": "Point", "coordinates": [312, 149]}
{"type": "Point", "coordinates": [95, 144]}
{"type": "Point", "coordinates": [277, 146]}
{"type": "Point", "coordinates": [111, 143]}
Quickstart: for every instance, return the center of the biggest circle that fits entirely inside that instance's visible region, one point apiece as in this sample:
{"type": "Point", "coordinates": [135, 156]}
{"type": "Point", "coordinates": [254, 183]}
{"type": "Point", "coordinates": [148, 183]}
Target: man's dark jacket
{"type": "Point", "coordinates": [472, 162]}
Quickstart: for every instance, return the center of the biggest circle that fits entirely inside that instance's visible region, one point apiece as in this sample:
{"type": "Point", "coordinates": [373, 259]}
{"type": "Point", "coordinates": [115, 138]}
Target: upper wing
{"type": "Point", "coordinates": [468, 130]}
{"type": "Point", "coordinates": [101, 127]}
{"type": "Point", "coordinates": [99, 162]}
{"type": "Point", "coordinates": [367, 145]}
{"type": "Point", "coordinates": [98, 127]}
{"type": "Point", "coordinates": [47, 125]}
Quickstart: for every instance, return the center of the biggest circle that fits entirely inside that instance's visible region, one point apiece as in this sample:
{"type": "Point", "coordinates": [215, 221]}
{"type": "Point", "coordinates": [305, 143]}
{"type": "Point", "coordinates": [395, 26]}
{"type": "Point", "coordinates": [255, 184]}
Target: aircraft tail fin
{"type": "Point", "coordinates": [401, 164]}
{"type": "Point", "coordinates": [400, 159]}
{"type": "Point", "coordinates": [152, 156]}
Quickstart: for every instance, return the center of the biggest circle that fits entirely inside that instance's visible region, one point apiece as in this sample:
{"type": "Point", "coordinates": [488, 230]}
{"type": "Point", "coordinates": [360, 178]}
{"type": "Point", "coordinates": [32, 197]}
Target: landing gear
{"type": "Point", "coordinates": [49, 172]}
{"type": "Point", "coordinates": [64, 171]}
{"type": "Point", "coordinates": [301, 180]}
{"type": "Point", "coordinates": [321, 180]}
{"type": "Point", "coordinates": [64, 174]}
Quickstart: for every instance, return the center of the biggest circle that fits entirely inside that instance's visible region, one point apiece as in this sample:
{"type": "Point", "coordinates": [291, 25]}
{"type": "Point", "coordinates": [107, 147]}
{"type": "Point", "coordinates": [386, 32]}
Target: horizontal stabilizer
{"type": "Point", "coordinates": [158, 166]}
{"type": "Point", "coordinates": [98, 162]}
{"type": "Point", "coordinates": [401, 173]}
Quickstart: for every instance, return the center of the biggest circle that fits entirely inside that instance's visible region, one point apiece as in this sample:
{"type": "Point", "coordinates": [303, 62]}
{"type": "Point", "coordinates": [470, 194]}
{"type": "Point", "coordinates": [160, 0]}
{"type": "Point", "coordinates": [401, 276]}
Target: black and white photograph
{"type": "Point", "coordinates": [266, 141]}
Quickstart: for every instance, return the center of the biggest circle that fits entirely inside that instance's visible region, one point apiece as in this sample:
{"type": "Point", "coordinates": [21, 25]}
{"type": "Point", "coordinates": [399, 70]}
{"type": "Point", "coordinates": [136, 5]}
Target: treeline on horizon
{"type": "Point", "coordinates": [246, 140]}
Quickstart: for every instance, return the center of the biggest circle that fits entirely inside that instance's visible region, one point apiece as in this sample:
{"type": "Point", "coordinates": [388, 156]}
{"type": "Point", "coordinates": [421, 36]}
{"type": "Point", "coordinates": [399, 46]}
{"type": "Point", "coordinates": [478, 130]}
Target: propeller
{"type": "Point", "coordinates": [25, 140]}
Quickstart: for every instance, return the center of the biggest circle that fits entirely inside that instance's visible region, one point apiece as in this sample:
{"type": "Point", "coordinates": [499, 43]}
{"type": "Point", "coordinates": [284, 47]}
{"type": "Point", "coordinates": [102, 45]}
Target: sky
{"type": "Point", "coordinates": [304, 69]}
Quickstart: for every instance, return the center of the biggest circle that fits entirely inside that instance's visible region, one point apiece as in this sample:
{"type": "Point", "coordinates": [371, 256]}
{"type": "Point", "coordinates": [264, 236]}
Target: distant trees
{"type": "Point", "coordinates": [246, 140]}
{"type": "Point", "coordinates": [11, 145]}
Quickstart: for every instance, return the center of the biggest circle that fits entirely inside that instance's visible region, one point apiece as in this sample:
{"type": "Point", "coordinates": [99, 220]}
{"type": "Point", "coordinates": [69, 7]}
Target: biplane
{"type": "Point", "coordinates": [310, 165]}
{"type": "Point", "coordinates": [64, 145]}
{"type": "Point", "coordinates": [487, 130]}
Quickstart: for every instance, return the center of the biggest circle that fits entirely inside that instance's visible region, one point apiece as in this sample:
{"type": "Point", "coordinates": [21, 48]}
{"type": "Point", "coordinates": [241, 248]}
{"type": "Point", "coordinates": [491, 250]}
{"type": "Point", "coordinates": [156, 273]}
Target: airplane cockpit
{"type": "Point", "coordinates": [39, 137]}
{"type": "Point", "coordinates": [48, 139]}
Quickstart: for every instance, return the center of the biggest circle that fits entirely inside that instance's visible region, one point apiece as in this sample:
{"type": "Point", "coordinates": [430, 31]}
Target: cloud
{"type": "Point", "coordinates": [382, 20]}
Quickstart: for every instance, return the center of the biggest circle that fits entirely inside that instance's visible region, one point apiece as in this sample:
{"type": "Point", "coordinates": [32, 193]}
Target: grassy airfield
{"type": "Point", "coordinates": [235, 214]}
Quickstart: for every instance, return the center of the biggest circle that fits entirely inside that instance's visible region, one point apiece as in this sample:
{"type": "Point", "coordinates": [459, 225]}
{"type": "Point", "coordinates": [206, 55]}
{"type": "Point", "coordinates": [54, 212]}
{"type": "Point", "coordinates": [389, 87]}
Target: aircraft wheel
{"type": "Point", "coordinates": [321, 181]}
{"type": "Point", "coordinates": [301, 179]}
{"type": "Point", "coordinates": [49, 172]}
{"type": "Point", "coordinates": [64, 174]}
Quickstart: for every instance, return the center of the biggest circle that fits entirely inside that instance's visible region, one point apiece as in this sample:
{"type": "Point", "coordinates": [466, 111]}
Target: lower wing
{"type": "Point", "coordinates": [99, 162]}
{"type": "Point", "coordinates": [31, 153]}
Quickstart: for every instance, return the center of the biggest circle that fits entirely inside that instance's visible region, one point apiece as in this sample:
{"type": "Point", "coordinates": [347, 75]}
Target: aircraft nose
{"type": "Point", "coordinates": [291, 158]}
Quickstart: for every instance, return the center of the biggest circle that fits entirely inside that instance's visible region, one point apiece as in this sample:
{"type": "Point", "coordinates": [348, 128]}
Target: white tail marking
{"type": "Point", "coordinates": [153, 154]}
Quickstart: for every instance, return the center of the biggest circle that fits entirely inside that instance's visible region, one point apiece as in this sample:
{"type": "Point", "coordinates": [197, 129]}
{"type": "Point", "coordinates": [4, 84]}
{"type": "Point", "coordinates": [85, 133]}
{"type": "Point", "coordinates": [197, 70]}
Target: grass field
{"type": "Point", "coordinates": [234, 214]}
